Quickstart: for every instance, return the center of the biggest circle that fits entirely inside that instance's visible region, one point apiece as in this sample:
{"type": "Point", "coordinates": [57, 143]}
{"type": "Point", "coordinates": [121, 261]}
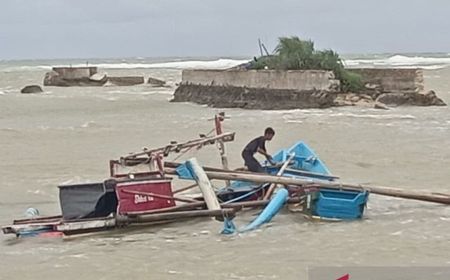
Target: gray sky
{"type": "Point", "coordinates": [153, 28]}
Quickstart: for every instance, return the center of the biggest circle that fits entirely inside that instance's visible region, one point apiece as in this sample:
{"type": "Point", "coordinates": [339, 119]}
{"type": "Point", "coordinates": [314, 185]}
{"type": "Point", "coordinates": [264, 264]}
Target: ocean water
{"type": "Point", "coordinates": [68, 135]}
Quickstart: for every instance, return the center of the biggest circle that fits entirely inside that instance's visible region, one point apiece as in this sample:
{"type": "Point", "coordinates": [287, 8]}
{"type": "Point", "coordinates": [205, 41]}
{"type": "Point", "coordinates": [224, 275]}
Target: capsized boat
{"type": "Point", "coordinates": [303, 163]}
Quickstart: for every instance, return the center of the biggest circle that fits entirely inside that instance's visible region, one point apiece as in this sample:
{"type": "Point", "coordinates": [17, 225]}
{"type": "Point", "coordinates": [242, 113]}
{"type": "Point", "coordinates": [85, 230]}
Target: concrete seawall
{"type": "Point", "coordinates": [126, 81]}
{"type": "Point", "coordinates": [89, 76]}
{"type": "Point", "coordinates": [74, 76]}
{"type": "Point", "coordinates": [275, 89]}
{"type": "Point", "coordinates": [253, 98]}
{"type": "Point", "coordinates": [392, 80]}
{"type": "Point", "coordinates": [73, 73]}
{"type": "Point", "coordinates": [270, 79]}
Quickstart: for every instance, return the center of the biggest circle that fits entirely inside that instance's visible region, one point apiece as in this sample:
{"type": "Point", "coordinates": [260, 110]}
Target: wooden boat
{"type": "Point", "coordinates": [113, 203]}
{"type": "Point", "coordinates": [137, 193]}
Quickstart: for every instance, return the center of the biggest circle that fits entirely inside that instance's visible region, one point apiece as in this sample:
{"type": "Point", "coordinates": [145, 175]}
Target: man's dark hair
{"type": "Point", "coordinates": [269, 130]}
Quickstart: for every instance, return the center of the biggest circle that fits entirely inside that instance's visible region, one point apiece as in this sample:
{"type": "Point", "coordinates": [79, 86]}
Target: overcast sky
{"type": "Point", "coordinates": [154, 28]}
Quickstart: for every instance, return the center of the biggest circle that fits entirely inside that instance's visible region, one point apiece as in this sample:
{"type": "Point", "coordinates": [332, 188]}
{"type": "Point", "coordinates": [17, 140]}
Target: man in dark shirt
{"type": "Point", "coordinates": [257, 145]}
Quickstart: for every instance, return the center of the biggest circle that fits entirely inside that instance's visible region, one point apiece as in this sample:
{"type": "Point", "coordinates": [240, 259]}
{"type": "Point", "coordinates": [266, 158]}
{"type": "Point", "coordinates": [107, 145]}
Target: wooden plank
{"type": "Point", "coordinates": [38, 219]}
{"type": "Point", "coordinates": [22, 227]}
{"type": "Point", "coordinates": [86, 225]}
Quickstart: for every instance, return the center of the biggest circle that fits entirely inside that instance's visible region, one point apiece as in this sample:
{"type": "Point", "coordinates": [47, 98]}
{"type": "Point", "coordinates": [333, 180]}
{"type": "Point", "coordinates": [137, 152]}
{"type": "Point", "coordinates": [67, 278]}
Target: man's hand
{"type": "Point", "coordinates": [270, 159]}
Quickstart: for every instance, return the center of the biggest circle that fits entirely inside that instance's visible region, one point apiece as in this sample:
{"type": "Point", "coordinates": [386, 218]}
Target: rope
{"type": "Point", "coordinates": [245, 195]}
{"type": "Point", "coordinates": [228, 226]}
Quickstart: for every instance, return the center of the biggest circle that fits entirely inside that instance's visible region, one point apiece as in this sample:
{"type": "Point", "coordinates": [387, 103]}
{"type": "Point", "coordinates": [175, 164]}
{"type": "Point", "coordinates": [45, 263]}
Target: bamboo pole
{"type": "Point", "coordinates": [380, 190]}
{"type": "Point", "coordinates": [182, 207]}
{"type": "Point", "coordinates": [307, 173]}
{"type": "Point", "coordinates": [256, 203]}
{"type": "Point", "coordinates": [218, 118]}
{"type": "Point", "coordinates": [159, 196]}
{"type": "Point", "coordinates": [145, 218]}
{"type": "Point", "coordinates": [279, 173]}
{"type": "Point", "coordinates": [203, 182]}
{"type": "Point", "coordinates": [185, 188]}
{"type": "Point", "coordinates": [201, 204]}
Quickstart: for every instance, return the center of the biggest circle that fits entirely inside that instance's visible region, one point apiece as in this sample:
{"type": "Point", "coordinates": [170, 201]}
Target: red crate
{"type": "Point", "coordinates": [143, 195]}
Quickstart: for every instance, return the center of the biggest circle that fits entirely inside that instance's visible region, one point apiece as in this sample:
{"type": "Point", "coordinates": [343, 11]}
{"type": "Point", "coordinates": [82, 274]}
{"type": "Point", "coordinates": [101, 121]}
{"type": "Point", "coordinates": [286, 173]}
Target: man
{"type": "Point", "coordinates": [257, 145]}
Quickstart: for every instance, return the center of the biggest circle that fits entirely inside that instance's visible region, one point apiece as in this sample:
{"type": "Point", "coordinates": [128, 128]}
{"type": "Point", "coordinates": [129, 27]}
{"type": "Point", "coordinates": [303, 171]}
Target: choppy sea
{"type": "Point", "coordinates": [69, 134]}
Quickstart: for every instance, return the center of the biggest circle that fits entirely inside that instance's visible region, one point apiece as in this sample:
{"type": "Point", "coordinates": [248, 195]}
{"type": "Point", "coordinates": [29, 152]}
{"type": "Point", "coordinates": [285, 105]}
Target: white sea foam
{"type": "Point", "coordinates": [89, 124]}
{"type": "Point", "coordinates": [46, 128]}
{"type": "Point", "coordinates": [406, 221]}
{"type": "Point", "coordinates": [76, 180]}
{"type": "Point", "coordinates": [402, 61]}
{"type": "Point", "coordinates": [8, 129]}
{"type": "Point", "coordinates": [299, 115]}
{"type": "Point", "coordinates": [373, 116]}
{"type": "Point", "coordinates": [112, 99]}
{"type": "Point", "coordinates": [193, 64]}
{"type": "Point", "coordinates": [28, 68]}
{"type": "Point", "coordinates": [142, 93]}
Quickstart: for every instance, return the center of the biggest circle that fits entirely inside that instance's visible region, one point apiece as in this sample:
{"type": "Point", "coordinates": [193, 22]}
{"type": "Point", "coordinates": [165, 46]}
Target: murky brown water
{"type": "Point", "coordinates": [69, 134]}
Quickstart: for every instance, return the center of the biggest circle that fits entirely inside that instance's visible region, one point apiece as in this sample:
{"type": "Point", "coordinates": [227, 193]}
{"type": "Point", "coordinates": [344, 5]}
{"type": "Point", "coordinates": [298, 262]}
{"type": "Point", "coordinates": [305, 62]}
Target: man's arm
{"type": "Point", "coordinates": [264, 153]}
{"type": "Point", "coordinates": [262, 147]}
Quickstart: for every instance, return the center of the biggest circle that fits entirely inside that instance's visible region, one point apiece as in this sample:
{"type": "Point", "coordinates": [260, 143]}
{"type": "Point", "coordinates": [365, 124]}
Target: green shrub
{"type": "Point", "coordinates": [350, 82]}
{"type": "Point", "coordinates": [292, 53]}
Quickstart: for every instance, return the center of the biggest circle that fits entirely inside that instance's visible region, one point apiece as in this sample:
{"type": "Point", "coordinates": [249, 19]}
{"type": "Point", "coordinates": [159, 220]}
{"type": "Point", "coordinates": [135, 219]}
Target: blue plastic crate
{"type": "Point", "coordinates": [340, 204]}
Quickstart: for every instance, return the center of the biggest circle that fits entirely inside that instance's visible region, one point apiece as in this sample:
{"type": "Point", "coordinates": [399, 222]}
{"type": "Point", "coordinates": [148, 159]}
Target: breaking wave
{"type": "Point", "coordinates": [299, 117]}
{"type": "Point", "coordinates": [402, 61]}
{"type": "Point", "coordinates": [397, 61]}
{"type": "Point", "coordinates": [194, 64]}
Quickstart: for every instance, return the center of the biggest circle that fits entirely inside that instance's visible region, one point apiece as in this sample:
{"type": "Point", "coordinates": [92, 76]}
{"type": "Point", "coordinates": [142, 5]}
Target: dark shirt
{"type": "Point", "coordinates": [252, 146]}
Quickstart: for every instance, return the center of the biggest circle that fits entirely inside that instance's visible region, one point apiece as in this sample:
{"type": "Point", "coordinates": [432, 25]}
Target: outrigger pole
{"type": "Point", "coordinates": [215, 173]}
{"type": "Point", "coordinates": [386, 191]}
